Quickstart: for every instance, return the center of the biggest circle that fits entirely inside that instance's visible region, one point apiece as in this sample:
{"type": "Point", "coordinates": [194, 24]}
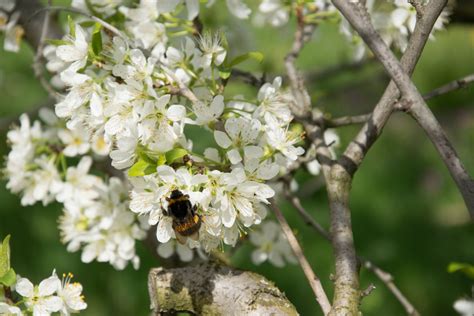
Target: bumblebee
{"type": "Point", "coordinates": [186, 222]}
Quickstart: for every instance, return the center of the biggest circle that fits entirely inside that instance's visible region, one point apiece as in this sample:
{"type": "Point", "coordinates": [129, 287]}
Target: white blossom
{"type": "Point", "coordinates": [240, 132]}
{"type": "Point", "coordinates": [166, 250]}
{"type": "Point", "coordinates": [75, 52]}
{"type": "Point", "coordinates": [206, 114]}
{"type": "Point", "coordinates": [273, 103]}
{"type": "Point", "coordinates": [104, 227]}
{"type": "Point", "coordinates": [465, 307]}
{"type": "Point", "coordinates": [284, 141]}
{"type": "Point", "coordinates": [212, 51]}
{"type": "Point", "coordinates": [70, 294]}
{"type": "Point", "coordinates": [271, 245]}
{"type": "Point", "coordinates": [40, 299]}
{"type": "Point", "coordinates": [6, 309]}
{"type": "Point", "coordinates": [274, 12]}
{"type": "Point", "coordinates": [76, 141]}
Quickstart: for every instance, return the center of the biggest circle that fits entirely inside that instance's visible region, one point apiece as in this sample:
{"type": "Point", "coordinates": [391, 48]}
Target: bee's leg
{"type": "Point", "coordinates": [194, 209]}
{"type": "Point", "coordinates": [164, 211]}
{"type": "Point", "coordinates": [180, 238]}
{"type": "Point", "coordinates": [195, 236]}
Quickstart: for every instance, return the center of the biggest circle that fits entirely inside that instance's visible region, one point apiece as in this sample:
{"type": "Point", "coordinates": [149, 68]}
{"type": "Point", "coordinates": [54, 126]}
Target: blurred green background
{"type": "Point", "coordinates": [408, 217]}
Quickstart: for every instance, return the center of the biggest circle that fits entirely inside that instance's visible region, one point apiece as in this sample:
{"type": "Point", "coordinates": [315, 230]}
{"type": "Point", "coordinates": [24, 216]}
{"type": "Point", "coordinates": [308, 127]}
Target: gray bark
{"type": "Point", "coordinates": [213, 289]}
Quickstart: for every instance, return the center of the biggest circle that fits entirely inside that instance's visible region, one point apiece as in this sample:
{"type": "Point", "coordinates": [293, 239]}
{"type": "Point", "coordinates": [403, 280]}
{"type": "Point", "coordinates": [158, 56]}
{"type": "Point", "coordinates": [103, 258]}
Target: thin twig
{"type": "Point", "coordinates": [387, 279]}
{"type": "Point", "coordinates": [367, 291]}
{"type": "Point", "coordinates": [347, 120]}
{"type": "Point", "coordinates": [303, 33]}
{"type": "Point", "coordinates": [295, 201]}
{"type": "Point", "coordinates": [183, 89]}
{"type": "Point", "coordinates": [37, 64]}
{"type": "Point", "coordinates": [451, 86]}
{"type": "Point", "coordinates": [77, 11]}
{"type": "Point", "coordinates": [384, 276]}
{"type": "Point", "coordinates": [313, 280]}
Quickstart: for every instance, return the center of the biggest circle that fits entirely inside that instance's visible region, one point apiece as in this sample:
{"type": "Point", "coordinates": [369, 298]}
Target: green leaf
{"type": "Point", "coordinates": [72, 26]}
{"type": "Point", "coordinates": [97, 39]}
{"type": "Point", "coordinates": [466, 268]}
{"type": "Point", "coordinates": [175, 154]}
{"type": "Point", "coordinates": [241, 58]}
{"type": "Point", "coordinates": [5, 256]}
{"type": "Point", "coordinates": [9, 278]}
{"type": "Point", "coordinates": [224, 73]}
{"type": "Point", "coordinates": [161, 160]}
{"type": "Point", "coordinates": [141, 168]}
{"type": "Point", "coordinates": [87, 24]}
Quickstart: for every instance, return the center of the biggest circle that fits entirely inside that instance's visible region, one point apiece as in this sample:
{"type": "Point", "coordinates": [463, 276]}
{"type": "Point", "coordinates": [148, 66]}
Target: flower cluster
{"type": "Point", "coordinates": [96, 215]}
{"type": "Point", "coordinates": [50, 296]}
{"type": "Point", "coordinates": [136, 95]}
{"type": "Point", "coordinates": [139, 94]}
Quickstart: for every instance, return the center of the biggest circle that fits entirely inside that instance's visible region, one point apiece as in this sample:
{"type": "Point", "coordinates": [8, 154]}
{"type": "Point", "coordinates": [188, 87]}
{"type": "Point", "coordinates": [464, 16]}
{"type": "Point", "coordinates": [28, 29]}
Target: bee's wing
{"type": "Point", "coordinates": [180, 238]}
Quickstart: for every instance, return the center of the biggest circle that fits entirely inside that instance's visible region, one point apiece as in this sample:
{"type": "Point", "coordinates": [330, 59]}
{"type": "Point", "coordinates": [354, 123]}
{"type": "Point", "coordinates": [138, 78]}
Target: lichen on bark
{"type": "Point", "coordinates": [213, 289]}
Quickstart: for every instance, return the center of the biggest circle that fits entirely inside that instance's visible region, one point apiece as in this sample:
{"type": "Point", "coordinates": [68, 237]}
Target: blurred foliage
{"type": "Point", "coordinates": [407, 214]}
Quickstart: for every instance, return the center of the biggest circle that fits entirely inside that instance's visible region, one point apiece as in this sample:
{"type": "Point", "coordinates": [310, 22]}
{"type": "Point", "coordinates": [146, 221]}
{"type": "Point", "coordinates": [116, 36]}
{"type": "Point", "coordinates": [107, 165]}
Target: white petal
{"type": "Point", "coordinates": [217, 106]}
{"type": "Point", "coordinates": [49, 286]}
{"type": "Point", "coordinates": [176, 112]}
{"type": "Point", "coordinates": [238, 8]}
{"type": "Point", "coordinates": [314, 167]}
{"type": "Point", "coordinates": [222, 139]}
{"type": "Point", "coordinates": [228, 216]}
{"type": "Point", "coordinates": [167, 5]}
{"type": "Point", "coordinates": [24, 287]}
{"type": "Point", "coordinates": [464, 306]}
{"type": "Point", "coordinates": [234, 156]}
{"type": "Point", "coordinates": [259, 256]}
{"type": "Point", "coordinates": [184, 253]}
{"type": "Point", "coordinates": [164, 230]}
{"type": "Point", "coordinates": [276, 259]}
{"type": "Point", "coordinates": [399, 16]}
{"type": "Point", "coordinates": [53, 303]}
{"type": "Point", "coordinates": [268, 171]}
{"type": "Point", "coordinates": [193, 10]}
{"type": "Point", "coordinates": [253, 152]}
{"type": "Point", "coordinates": [166, 250]}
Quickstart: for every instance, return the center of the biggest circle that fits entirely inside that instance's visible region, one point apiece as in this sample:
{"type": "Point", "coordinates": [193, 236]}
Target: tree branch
{"type": "Point", "coordinates": [303, 34]}
{"type": "Point", "coordinates": [212, 289]}
{"type": "Point", "coordinates": [313, 280]}
{"type": "Point", "coordinates": [360, 145]}
{"type": "Point", "coordinates": [357, 15]}
{"type": "Point", "coordinates": [384, 276]}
